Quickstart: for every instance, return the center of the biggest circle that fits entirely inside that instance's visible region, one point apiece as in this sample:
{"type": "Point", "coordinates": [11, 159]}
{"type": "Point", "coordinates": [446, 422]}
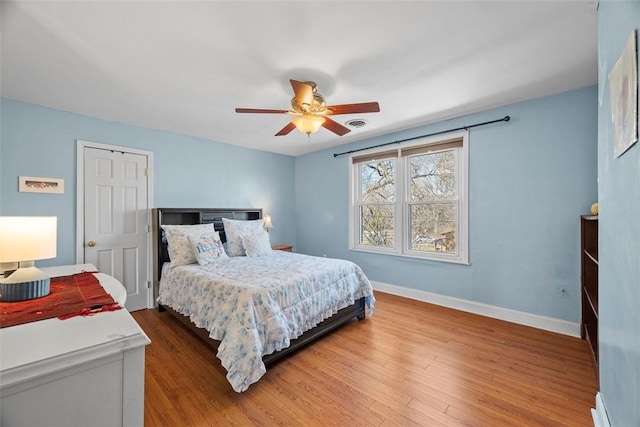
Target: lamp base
{"type": "Point", "coordinates": [27, 282]}
{"type": "Point", "coordinates": [24, 291]}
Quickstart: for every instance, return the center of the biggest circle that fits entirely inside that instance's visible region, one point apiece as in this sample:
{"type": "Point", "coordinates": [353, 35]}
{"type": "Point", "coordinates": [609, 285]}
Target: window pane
{"type": "Point", "coordinates": [377, 225]}
{"type": "Point", "coordinates": [378, 181]}
{"type": "Point", "coordinates": [433, 176]}
{"type": "Point", "coordinates": [433, 227]}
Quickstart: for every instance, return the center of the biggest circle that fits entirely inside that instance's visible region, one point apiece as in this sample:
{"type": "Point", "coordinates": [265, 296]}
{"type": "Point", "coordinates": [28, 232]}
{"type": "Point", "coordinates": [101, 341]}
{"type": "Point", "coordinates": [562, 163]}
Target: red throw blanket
{"type": "Point", "coordinates": [76, 295]}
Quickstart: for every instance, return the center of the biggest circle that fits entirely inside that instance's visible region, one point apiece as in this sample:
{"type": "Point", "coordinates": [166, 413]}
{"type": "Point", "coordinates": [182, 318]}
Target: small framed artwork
{"type": "Point", "coordinates": [34, 184]}
{"type": "Point", "coordinates": [623, 89]}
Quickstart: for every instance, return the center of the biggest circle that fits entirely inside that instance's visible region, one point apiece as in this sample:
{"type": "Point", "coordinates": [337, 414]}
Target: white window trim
{"type": "Point", "coordinates": [401, 241]}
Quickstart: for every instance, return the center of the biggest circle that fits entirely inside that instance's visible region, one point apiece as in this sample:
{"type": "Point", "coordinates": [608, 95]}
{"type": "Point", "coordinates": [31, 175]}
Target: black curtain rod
{"type": "Point", "coordinates": [504, 119]}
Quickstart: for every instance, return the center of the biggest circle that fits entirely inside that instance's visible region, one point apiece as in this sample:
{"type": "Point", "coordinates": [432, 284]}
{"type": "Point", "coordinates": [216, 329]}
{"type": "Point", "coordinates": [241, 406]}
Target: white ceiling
{"type": "Point", "coordinates": [183, 66]}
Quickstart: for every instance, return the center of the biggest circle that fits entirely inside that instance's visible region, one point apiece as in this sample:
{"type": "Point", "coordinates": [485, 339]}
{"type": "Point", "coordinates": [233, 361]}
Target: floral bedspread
{"type": "Point", "coordinates": [255, 306]}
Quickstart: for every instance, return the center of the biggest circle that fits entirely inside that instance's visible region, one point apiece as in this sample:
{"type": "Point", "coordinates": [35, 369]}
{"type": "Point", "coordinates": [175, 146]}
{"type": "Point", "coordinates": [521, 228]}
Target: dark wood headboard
{"type": "Point", "coordinates": [182, 216]}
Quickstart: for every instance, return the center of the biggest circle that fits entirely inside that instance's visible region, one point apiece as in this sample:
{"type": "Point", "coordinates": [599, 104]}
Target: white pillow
{"type": "Point", "coordinates": [207, 248]}
{"type": "Point", "coordinates": [257, 244]}
{"type": "Point", "coordinates": [180, 251]}
{"type": "Point", "coordinates": [235, 229]}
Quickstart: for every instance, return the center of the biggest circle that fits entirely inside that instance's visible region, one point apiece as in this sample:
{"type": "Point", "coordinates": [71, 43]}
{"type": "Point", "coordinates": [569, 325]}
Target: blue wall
{"type": "Point", "coordinates": [530, 179]}
{"type": "Point", "coordinates": [619, 234]}
{"type": "Point", "coordinates": [188, 172]}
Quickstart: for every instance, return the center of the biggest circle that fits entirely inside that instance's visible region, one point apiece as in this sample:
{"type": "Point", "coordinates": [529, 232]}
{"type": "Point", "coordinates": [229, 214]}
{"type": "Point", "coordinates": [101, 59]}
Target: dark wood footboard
{"type": "Point", "coordinates": [347, 314]}
{"type": "Point", "coordinates": [357, 310]}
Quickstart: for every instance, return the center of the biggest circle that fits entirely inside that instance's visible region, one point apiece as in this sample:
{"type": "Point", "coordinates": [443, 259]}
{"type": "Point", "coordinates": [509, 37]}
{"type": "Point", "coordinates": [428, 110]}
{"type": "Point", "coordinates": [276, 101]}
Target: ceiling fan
{"type": "Point", "coordinates": [311, 111]}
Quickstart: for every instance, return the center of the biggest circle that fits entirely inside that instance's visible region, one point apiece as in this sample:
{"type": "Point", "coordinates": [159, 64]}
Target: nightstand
{"type": "Point", "coordinates": [286, 248]}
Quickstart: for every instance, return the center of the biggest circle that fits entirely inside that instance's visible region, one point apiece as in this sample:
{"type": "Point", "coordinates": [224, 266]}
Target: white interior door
{"type": "Point", "coordinates": [116, 219]}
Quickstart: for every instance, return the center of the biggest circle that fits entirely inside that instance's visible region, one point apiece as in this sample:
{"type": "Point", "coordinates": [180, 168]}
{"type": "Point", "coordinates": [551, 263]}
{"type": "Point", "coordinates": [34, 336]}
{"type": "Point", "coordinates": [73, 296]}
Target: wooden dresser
{"type": "Point", "coordinates": [82, 371]}
{"type": "Point", "coordinates": [286, 248]}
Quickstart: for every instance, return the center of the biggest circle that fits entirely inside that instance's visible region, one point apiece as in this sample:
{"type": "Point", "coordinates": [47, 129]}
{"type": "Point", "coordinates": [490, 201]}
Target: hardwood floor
{"type": "Point", "coordinates": [411, 363]}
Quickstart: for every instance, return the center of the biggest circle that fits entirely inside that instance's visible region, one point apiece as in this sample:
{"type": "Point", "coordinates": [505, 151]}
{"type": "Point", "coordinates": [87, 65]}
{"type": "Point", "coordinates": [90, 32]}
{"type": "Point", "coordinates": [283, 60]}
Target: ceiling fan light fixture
{"type": "Point", "coordinates": [312, 111]}
{"type": "Point", "coordinates": [308, 123]}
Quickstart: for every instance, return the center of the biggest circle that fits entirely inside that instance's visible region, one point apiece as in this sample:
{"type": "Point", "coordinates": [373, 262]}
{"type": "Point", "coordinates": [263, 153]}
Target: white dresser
{"type": "Point", "coordinates": [83, 371]}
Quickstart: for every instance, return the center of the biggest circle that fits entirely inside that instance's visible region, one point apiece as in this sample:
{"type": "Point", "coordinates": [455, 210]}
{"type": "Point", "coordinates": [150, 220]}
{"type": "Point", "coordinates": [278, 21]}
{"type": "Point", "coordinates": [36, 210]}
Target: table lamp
{"type": "Point", "coordinates": [23, 240]}
{"type": "Point", "coordinates": [266, 222]}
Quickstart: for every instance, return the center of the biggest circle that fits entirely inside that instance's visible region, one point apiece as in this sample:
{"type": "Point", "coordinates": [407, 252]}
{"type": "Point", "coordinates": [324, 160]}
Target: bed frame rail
{"type": "Point", "coordinates": [343, 316]}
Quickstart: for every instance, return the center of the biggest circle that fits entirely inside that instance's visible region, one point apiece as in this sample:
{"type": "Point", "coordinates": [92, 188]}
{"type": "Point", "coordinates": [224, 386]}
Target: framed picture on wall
{"type": "Point", "coordinates": [623, 90]}
{"type": "Point", "coordinates": [34, 184]}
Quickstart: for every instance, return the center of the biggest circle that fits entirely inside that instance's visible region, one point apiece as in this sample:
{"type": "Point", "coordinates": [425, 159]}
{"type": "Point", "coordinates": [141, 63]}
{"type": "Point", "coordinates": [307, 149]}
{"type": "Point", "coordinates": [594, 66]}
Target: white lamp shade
{"type": "Point", "coordinates": [266, 222]}
{"type": "Point", "coordinates": [27, 238]}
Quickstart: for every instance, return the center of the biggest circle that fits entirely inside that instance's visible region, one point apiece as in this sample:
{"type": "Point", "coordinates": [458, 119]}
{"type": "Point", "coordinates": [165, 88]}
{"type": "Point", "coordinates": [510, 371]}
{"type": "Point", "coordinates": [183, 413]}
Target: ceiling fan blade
{"type": "Point", "coordinates": [258, 110]}
{"type": "Point", "coordinates": [335, 127]}
{"type": "Point", "coordinates": [285, 130]}
{"type": "Point", "coordinates": [363, 107]}
{"type": "Point", "coordinates": [303, 93]}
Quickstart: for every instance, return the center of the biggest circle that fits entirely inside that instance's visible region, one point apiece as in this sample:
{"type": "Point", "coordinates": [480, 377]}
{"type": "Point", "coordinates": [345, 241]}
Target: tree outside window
{"type": "Point", "coordinates": [377, 212]}
{"type": "Point", "coordinates": [433, 202]}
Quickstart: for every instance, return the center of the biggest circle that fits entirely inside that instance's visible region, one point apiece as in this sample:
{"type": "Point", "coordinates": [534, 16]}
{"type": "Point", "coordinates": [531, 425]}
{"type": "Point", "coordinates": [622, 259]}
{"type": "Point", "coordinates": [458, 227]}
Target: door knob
{"type": "Point", "coordinates": [91, 243]}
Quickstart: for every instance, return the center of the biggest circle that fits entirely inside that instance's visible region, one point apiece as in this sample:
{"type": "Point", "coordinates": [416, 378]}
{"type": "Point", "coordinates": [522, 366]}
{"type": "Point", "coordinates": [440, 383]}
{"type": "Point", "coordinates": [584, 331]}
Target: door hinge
{"type": "Point", "coordinates": [148, 229]}
{"type": "Point", "coordinates": [147, 172]}
{"type": "Point", "coordinates": [148, 284]}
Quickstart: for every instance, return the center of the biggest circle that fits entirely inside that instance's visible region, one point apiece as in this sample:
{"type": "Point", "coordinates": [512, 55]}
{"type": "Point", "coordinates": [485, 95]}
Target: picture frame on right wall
{"type": "Point", "coordinates": [623, 90]}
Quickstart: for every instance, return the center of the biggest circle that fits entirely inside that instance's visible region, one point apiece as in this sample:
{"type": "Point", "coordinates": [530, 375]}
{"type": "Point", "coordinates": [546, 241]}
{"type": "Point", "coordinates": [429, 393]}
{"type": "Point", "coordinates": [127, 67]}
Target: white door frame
{"type": "Point", "coordinates": [80, 202]}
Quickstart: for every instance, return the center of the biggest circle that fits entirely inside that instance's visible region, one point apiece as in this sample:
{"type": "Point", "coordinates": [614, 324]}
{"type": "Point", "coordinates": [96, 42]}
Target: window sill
{"type": "Point", "coordinates": [446, 259]}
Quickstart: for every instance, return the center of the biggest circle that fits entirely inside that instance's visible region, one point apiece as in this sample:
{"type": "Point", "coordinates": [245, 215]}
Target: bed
{"type": "Point", "coordinates": [256, 308]}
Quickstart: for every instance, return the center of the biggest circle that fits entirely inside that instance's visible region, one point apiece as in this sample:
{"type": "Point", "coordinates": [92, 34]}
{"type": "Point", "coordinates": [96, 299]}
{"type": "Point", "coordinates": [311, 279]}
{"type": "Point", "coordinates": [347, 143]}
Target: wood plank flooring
{"type": "Point", "coordinates": [410, 364]}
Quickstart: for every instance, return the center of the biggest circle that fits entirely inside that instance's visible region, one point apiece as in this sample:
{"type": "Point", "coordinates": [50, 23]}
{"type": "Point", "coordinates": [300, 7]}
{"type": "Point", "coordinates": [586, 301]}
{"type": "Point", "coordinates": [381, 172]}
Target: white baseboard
{"type": "Point", "coordinates": [541, 322]}
{"type": "Point", "coordinates": [599, 415]}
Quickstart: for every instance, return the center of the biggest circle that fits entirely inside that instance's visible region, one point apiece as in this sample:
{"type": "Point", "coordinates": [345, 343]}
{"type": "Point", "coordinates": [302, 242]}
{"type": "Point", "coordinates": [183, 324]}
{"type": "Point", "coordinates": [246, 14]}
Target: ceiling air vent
{"type": "Point", "coordinates": [356, 123]}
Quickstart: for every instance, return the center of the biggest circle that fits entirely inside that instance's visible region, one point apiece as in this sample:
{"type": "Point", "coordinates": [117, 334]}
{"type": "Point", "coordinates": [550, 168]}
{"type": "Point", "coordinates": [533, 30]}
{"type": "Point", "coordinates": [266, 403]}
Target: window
{"type": "Point", "coordinates": [412, 200]}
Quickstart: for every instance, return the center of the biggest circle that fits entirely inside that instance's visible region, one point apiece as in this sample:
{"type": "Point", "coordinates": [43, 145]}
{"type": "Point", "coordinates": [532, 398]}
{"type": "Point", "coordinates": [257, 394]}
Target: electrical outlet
{"type": "Point", "coordinates": [562, 292]}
